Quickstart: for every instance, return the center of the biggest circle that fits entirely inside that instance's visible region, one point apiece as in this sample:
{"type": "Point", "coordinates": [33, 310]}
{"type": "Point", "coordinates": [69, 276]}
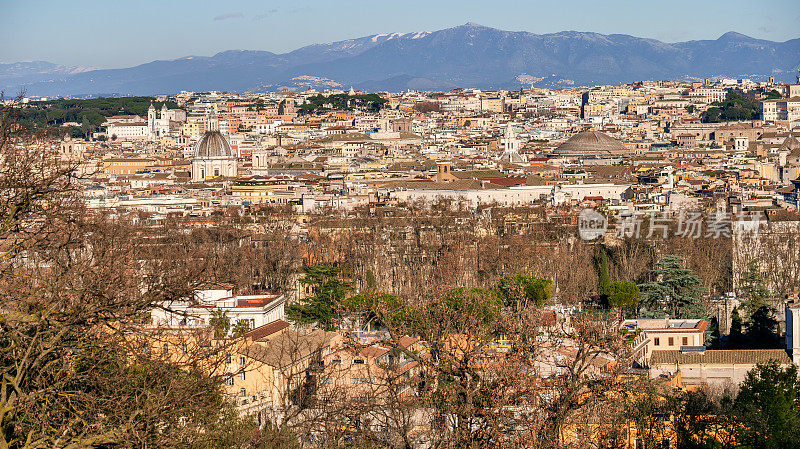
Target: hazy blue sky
{"type": "Point", "coordinates": [118, 33]}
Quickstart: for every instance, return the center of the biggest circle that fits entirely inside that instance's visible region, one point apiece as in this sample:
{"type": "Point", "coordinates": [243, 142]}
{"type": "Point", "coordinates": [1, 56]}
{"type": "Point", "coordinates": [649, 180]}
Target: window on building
{"type": "Point", "coordinates": [358, 361]}
{"type": "Point", "coordinates": [243, 392]}
{"type": "Point", "coordinates": [671, 341]}
{"type": "Point", "coordinates": [686, 341]}
{"type": "Point", "coordinates": [241, 360]}
{"type": "Point", "coordinates": [242, 375]}
{"type": "Point", "coordinates": [656, 341]}
{"type": "Point", "coordinates": [229, 380]}
{"type": "Point", "coordinates": [228, 359]}
{"type": "Point", "coordinates": [216, 172]}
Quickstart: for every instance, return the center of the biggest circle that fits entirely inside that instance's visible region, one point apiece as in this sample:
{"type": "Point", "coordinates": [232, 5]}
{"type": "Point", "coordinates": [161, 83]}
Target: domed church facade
{"type": "Point", "coordinates": [213, 156]}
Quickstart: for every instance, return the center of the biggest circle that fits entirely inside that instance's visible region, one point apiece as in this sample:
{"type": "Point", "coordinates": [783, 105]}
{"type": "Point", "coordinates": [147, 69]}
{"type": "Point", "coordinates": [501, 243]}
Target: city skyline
{"type": "Point", "coordinates": [84, 33]}
{"type": "Point", "coordinates": [323, 224]}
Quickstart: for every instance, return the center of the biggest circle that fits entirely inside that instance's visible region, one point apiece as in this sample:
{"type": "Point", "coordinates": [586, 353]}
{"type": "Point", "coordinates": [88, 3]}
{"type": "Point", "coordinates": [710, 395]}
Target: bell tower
{"type": "Point", "coordinates": [510, 140]}
{"type": "Point", "coordinates": [151, 121]}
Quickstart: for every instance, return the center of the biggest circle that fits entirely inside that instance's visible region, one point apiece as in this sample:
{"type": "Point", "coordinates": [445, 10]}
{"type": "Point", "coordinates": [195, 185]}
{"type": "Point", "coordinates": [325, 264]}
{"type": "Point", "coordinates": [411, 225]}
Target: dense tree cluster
{"type": "Point", "coordinates": [735, 107]}
{"type": "Point", "coordinates": [342, 102]}
{"type": "Point", "coordinates": [73, 285]}
{"type": "Point", "coordinates": [90, 114]}
{"type": "Point", "coordinates": [762, 414]}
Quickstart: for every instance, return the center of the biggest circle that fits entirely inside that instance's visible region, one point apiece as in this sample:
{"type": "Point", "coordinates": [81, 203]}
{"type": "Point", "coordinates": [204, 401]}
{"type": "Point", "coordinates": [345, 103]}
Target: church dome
{"type": "Point", "coordinates": [591, 143]}
{"type": "Point", "coordinates": [213, 144]}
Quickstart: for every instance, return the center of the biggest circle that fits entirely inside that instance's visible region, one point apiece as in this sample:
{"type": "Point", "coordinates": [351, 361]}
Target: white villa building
{"type": "Point", "coordinates": [512, 196]}
{"type": "Point", "coordinates": [255, 310]}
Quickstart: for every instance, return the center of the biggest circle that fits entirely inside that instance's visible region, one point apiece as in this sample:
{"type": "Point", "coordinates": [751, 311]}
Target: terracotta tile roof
{"type": "Point", "coordinates": [256, 301]}
{"type": "Point", "coordinates": [288, 348]}
{"type": "Point", "coordinates": [461, 184]}
{"type": "Point", "coordinates": [267, 330]}
{"type": "Point", "coordinates": [477, 174]}
{"type": "Point", "coordinates": [407, 367]}
{"type": "Point", "coordinates": [509, 181]}
{"type": "Point", "coordinates": [721, 357]}
{"type": "Point", "coordinates": [373, 351]}
{"type": "Point", "coordinates": [406, 341]}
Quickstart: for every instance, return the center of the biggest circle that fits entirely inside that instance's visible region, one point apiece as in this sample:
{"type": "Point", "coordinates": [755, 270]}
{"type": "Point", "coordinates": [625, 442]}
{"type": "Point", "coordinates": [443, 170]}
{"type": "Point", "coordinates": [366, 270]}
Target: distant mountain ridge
{"type": "Point", "coordinates": [28, 72]}
{"type": "Point", "coordinates": [470, 55]}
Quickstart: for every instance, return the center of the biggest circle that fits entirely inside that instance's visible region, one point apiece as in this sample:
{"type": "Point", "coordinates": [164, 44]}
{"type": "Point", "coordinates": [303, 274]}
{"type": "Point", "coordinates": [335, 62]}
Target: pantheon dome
{"type": "Point", "coordinates": [592, 144]}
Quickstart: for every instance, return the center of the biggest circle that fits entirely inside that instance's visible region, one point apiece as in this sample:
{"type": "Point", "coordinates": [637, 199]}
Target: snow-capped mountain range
{"type": "Point", "coordinates": [470, 55]}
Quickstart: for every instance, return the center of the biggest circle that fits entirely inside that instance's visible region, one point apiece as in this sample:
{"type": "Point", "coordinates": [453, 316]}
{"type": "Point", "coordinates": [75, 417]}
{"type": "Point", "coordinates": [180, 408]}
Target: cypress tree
{"type": "Point", "coordinates": [736, 338]}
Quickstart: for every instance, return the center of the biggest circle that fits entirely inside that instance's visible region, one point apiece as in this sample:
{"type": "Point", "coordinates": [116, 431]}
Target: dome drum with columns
{"type": "Point", "coordinates": [213, 156]}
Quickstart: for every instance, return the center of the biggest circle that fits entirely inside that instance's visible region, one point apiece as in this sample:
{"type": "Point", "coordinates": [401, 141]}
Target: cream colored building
{"type": "Point", "coordinates": [368, 372]}
{"type": "Point", "coordinates": [495, 104]}
{"type": "Point", "coordinates": [783, 109]}
{"type": "Point", "coordinates": [714, 368]}
{"type": "Point", "coordinates": [663, 334]}
{"type": "Point", "coordinates": [245, 191]}
{"type": "Point", "coordinates": [127, 131]}
{"type": "Point", "coordinates": [267, 370]}
{"type": "Point", "coordinates": [194, 128]}
{"type": "Point", "coordinates": [264, 371]}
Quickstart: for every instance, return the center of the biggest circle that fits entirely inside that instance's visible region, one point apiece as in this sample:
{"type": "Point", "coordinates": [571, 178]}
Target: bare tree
{"type": "Point", "coordinates": [71, 282]}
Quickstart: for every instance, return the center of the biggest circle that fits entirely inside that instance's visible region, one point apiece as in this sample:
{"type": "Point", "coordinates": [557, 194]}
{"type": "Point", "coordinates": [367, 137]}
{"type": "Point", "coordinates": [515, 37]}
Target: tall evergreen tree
{"type": "Point", "coordinates": [754, 290]}
{"type": "Point", "coordinates": [762, 331]}
{"type": "Point", "coordinates": [712, 334]}
{"type": "Point", "coordinates": [370, 281]}
{"type": "Point", "coordinates": [736, 337]}
{"type": "Point", "coordinates": [623, 295]}
{"type": "Point", "coordinates": [768, 408]}
{"type": "Point", "coordinates": [520, 290]}
{"type": "Point", "coordinates": [603, 276]}
{"type": "Point", "coordinates": [673, 289]}
{"type": "Point", "coordinates": [327, 294]}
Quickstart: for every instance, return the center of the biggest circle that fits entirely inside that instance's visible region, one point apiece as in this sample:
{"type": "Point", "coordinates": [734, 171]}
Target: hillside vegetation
{"type": "Point", "coordinates": [89, 114]}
